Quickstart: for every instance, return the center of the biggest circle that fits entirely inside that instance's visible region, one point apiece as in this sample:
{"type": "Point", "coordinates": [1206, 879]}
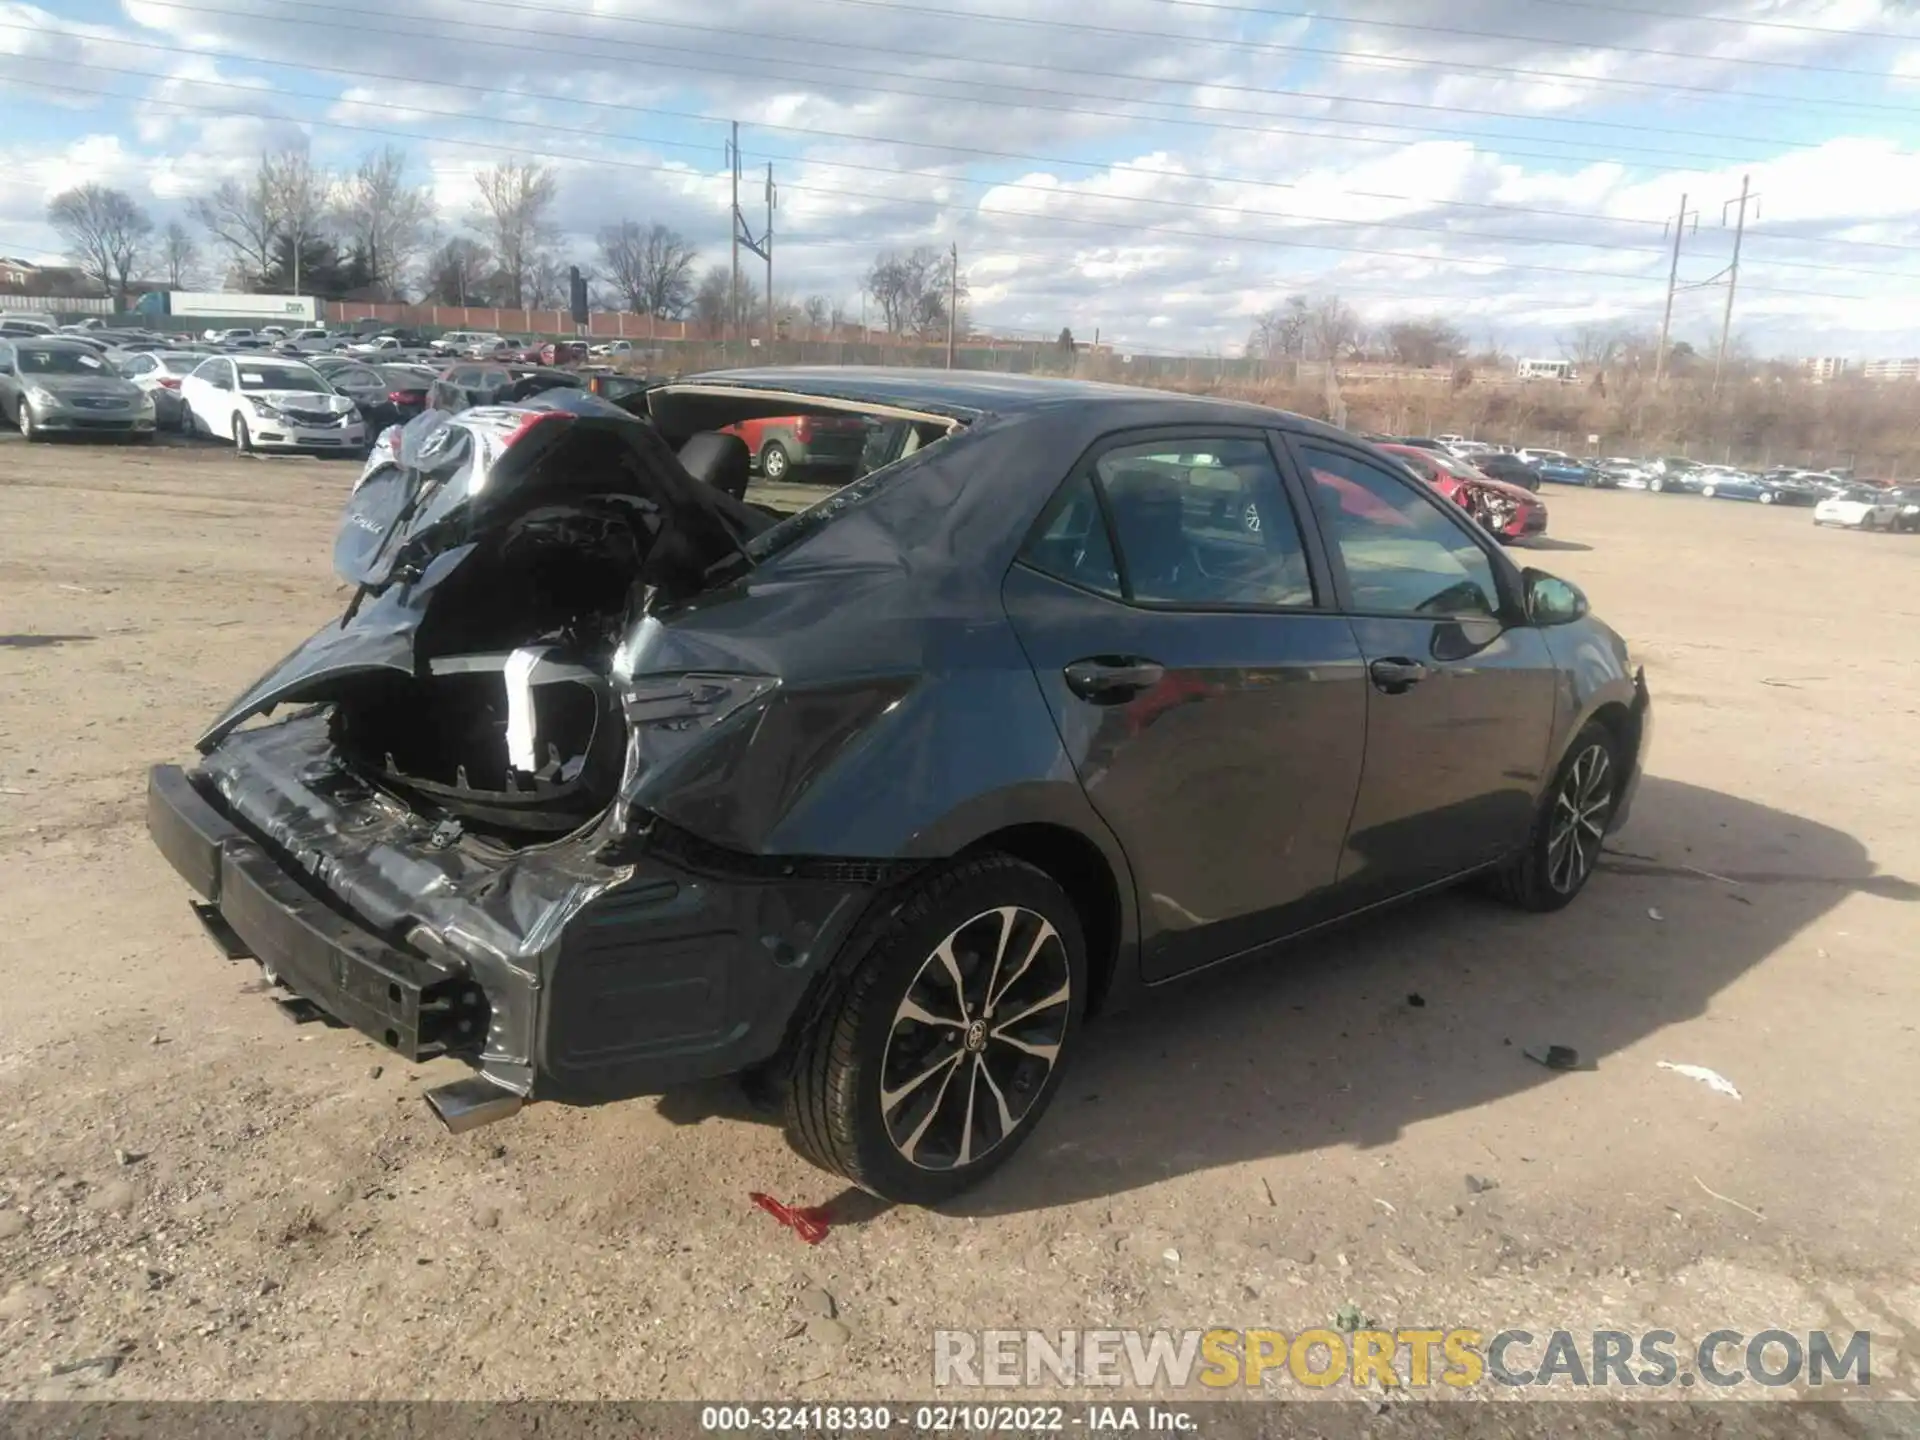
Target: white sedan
{"type": "Point", "coordinates": [1857, 509]}
{"type": "Point", "coordinates": [270, 404]}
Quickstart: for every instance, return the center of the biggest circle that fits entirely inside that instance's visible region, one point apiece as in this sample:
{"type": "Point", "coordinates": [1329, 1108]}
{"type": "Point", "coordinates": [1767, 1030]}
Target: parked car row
{"type": "Point", "coordinates": [1836, 497]}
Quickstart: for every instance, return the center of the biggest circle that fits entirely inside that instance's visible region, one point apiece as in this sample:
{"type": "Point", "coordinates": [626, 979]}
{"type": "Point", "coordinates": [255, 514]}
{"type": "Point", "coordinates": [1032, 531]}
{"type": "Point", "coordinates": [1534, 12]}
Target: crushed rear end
{"type": "Point", "coordinates": [447, 844]}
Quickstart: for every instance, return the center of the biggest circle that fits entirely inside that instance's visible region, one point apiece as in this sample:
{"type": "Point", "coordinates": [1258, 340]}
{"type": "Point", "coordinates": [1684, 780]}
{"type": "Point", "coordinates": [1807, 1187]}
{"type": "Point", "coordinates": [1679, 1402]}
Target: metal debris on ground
{"type": "Point", "coordinates": [1478, 1184]}
{"type": "Point", "coordinates": [1554, 1057]}
{"type": "Point", "coordinates": [1653, 914]}
{"type": "Point", "coordinates": [1712, 1079]}
{"type": "Point", "coordinates": [810, 1223]}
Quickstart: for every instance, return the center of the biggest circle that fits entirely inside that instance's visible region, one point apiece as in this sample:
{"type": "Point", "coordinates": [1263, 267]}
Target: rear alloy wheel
{"type": "Point", "coordinates": [1767, 497]}
{"type": "Point", "coordinates": [1564, 845]}
{"type": "Point", "coordinates": [1656, 485]}
{"type": "Point", "coordinates": [242, 437]}
{"type": "Point", "coordinates": [774, 463]}
{"type": "Point", "coordinates": [941, 1034]}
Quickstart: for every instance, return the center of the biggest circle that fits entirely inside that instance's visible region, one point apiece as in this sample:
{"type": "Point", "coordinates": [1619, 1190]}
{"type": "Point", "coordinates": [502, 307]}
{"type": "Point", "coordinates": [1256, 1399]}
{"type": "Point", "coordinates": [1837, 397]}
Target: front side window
{"type": "Point", "coordinates": [1203, 522]}
{"type": "Point", "coordinates": [1403, 555]}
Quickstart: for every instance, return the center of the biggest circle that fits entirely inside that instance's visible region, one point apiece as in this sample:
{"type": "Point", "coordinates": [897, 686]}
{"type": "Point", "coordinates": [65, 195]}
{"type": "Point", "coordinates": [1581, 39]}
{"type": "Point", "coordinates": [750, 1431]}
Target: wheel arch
{"type": "Point", "coordinates": [1081, 869]}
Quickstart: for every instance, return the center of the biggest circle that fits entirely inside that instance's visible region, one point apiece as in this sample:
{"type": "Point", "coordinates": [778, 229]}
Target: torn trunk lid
{"type": "Point", "coordinates": [504, 491]}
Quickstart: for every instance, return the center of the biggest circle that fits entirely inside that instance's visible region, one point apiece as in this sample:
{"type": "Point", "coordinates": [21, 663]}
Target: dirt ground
{"type": "Point", "coordinates": [240, 1207]}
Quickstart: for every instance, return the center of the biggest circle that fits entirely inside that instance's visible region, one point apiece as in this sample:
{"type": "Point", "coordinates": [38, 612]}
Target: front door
{"type": "Point", "coordinates": [1209, 695]}
{"type": "Point", "coordinates": [1461, 696]}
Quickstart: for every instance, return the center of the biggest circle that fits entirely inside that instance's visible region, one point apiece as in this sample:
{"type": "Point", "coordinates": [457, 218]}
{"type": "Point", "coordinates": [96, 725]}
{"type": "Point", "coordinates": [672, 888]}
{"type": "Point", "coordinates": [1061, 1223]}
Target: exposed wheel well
{"type": "Point", "coordinates": [1077, 867]}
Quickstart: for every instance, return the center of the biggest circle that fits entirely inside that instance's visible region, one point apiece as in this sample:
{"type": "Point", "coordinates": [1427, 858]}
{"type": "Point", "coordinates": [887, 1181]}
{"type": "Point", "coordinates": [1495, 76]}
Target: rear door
{"type": "Point", "coordinates": [1211, 697]}
{"type": "Point", "coordinates": [1461, 687]}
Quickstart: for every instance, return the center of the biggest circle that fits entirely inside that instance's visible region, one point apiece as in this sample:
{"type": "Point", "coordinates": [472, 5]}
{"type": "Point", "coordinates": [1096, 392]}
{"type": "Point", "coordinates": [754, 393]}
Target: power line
{"type": "Point", "coordinates": [1235, 211]}
{"type": "Point", "coordinates": [514, 92]}
{"type": "Point", "coordinates": [1800, 103]}
{"type": "Point", "coordinates": [894, 199]}
{"type": "Point", "coordinates": [811, 72]}
{"type": "Point", "coordinates": [1286, 93]}
{"type": "Point", "coordinates": [975, 99]}
{"type": "Point", "coordinates": [1546, 40]}
{"type": "Point", "coordinates": [1607, 7]}
{"type": "Point", "coordinates": [1166, 37]}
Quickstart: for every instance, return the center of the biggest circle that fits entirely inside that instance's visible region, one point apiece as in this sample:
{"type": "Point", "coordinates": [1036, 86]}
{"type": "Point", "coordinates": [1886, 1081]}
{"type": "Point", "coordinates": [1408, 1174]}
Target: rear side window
{"type": "Point", "coordinates": [1073, 544]}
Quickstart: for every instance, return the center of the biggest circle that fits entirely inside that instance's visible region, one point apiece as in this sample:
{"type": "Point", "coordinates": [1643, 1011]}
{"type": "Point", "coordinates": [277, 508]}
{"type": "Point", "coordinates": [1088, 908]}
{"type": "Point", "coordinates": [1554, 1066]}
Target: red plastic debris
{"type": "Point", "coordinates": [810, 1222]}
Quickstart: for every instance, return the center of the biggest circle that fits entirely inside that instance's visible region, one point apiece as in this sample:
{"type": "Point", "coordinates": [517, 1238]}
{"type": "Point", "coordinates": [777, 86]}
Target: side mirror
{"type": "Point", "coordinates": [1551, 600]}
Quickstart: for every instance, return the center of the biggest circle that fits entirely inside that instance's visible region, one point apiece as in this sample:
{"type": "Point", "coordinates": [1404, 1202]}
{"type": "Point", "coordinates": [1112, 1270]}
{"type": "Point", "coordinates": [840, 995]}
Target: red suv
{"type": "Point", "coordinates": [784, 443]}
{"type": "Point", "coordinates": [564, 352]}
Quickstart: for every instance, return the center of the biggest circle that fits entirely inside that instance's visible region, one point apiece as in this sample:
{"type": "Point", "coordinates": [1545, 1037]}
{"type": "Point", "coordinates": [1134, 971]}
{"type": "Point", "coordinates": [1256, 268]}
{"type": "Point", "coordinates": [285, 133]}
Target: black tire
{"type": "Point", "coordinates": [844, 1048]}
{"type": "Point", "coordinates": [1657, 484]}
{"type": "Point", "coordinates": [1535, 879]}
{"type": "Point", "coordinates": [775, 464]}
{"type": "Point", "coordinates": [242, 437]}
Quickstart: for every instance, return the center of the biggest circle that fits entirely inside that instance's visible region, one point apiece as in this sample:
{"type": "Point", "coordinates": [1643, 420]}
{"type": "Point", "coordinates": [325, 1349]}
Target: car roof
{"type": "Point", "coordinates": [971, 394]}
{"type": "Point", "coordinates": [55, 342]}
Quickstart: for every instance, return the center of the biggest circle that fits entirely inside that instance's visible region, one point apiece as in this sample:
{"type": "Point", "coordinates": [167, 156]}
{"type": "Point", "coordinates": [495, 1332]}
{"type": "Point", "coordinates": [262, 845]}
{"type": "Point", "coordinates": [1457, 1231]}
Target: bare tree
{"type": "Point", "coordinates": [460, 272]}
{"type": "Point", "coordinates": [179, 254]}
{"type": "Point", "coordinates": [514, 212]}
{"type": "Point", "coordinates": [243, 218]}
{"type": "Point", "coordinates": [107, 234]}
{"type": "Point", "coordinates": [1432, 341]}
{"type": "Point", "coordinates": [819, 312]}
{"type": "Point", "coordinates": [650, 265]}
{"type": "Point", "coordinates": [1332, 328]}
{"type": "Point", "coordinates": [549, 287]}
{"type": "Point", "coordinates": [1592, 347]}
{"type": "Point", "coordinates": [301, 193]}
{"type": "Point", "coordinates": [911, 290]}
{"type": "Point", "coordinates": [1280, 333]}
{"type": "Point", "coordinates": [710, 299]}
{"type": "Point", "coordinates": [383, 217]}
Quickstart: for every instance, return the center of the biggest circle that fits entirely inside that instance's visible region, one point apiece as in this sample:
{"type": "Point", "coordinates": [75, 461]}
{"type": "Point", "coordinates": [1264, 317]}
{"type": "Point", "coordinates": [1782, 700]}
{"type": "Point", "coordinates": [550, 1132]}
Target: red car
{"type": "Point", "coordinates": [1510, 512]}
{"type": "Point", "coordinates": [563, 352]}
{"type": "Point", "coordinates": [783, 443]}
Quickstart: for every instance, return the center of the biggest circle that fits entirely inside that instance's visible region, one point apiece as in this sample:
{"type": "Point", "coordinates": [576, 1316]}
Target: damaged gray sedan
{"type": "Point", "coordinates": [607, 781]}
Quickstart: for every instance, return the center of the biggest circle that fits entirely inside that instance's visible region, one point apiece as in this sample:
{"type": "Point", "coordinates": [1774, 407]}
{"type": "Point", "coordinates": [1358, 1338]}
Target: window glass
{"type": "Point", "coordinates": [1073, 544]}
{"type": "Point", "coordinates": [214, 372]}
{"type": "Point", "coordinates": [1204, 522]}
{"type": "Point", "coordinates": [1403, 554]}
{"type": "Point", "coordinates": [138, 365]}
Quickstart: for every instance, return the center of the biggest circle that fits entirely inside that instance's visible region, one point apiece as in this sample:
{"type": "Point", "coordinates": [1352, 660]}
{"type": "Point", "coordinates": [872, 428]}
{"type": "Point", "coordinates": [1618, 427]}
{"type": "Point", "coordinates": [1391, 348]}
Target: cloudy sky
{"type": "Point", "coordinates": [1162, 170]}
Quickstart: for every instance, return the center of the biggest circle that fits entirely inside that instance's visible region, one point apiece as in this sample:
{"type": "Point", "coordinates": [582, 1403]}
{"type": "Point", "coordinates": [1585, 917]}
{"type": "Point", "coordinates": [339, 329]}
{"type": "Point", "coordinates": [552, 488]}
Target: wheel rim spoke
{"type": "Point", "coordinates": [1041, 936]}
{"type": "Point", "coordinates": [936, 1063]}
{"type": "Point", "coordinates": [1007, 914]}
{"type": "Point", "coordinates": [911, 1146]}
{"type": "Point", "coordinates": [890, 1099]}
{"type": "Point", "coordinates": [1058, 997]}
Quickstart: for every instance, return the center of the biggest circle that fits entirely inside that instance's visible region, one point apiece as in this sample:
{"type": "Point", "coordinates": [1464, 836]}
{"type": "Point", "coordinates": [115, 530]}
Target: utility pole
{"type": "Point", "coordinates": [1673, 277]}
{"type": "Point", "coordinates": [953, 296]}
{"type": "Point", "coordinates": [1733, 271]}
{"type": "Point", "coordinates": [733, 291]}
{"type": "Point", "coordinates": [768, 237]}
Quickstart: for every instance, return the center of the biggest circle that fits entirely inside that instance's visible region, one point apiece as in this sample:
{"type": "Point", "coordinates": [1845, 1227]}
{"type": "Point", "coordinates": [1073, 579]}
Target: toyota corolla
{"type": "Point", "coordinates": [605, 781]}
